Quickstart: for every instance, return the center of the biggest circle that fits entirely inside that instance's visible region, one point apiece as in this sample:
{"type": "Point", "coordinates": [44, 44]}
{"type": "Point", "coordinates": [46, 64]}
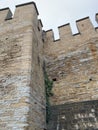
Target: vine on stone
{"type": "Point", "coordinates": [48, 89]}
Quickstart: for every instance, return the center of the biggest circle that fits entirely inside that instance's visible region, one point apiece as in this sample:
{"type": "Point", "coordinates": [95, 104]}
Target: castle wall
{"type": "Point", "coordinates": [72, 62]}
{"type": "Point", "coordinates": [22, 101]}
{"type": "Point", "coordinates": [74, 116]}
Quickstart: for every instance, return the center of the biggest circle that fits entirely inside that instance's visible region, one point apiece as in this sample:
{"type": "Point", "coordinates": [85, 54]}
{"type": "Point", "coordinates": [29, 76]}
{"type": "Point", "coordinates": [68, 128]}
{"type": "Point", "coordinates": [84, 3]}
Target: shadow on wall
{"type": "Point", "coordinates": [74, 116]}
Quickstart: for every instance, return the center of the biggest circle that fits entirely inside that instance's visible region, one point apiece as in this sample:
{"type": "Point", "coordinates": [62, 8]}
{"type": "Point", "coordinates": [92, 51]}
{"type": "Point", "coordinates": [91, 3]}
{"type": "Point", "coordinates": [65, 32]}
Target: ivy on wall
{"type": "Point", "coordinates": [48, 89]}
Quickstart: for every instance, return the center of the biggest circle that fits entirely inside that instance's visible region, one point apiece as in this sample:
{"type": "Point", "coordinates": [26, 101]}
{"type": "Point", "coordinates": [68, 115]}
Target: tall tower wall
{"type": "Point", "coordinates": [71, 62]}
{"type": "Point", "coordinates": [22, 95]}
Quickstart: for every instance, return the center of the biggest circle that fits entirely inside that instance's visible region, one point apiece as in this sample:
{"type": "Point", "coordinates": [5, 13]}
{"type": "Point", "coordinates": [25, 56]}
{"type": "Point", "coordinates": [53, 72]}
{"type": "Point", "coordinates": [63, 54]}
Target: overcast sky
{"type": "Point", "coordinates": [58, 12]}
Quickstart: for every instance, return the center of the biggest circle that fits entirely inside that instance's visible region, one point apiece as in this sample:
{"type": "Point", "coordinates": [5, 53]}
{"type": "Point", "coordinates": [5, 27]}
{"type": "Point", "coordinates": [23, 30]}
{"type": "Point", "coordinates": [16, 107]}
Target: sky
{"type": "Point", "coordinates": [54, 13]}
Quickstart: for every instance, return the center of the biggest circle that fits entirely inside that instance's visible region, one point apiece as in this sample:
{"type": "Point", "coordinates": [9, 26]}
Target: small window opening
{"type": "Point", "coordinates": [90, 79]}
{"type": "Point", "coordinates": [54, 79]}
{"type": "Point", "coordinates": [38, 60]}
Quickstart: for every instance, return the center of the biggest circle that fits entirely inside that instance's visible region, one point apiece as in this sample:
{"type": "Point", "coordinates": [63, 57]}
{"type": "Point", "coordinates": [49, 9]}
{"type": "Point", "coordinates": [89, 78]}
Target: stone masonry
{"type": "Point", "coordinates": [22, 95]}
{"type": "Point", "coordinates": [71, 62]}
{"type": "Point", "coordinates": [74, 116]}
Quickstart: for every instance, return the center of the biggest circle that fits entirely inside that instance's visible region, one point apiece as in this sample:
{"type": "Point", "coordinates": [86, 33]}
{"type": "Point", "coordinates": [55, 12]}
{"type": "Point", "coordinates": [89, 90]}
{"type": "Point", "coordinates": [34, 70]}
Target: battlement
{"type": "Point", "coordinates": [4, 13]}
{"type": "Point", "coordinates": [29, 3]}
{"type": "Point", "coordinates": [21, 57]}
{"type": "Point", "coordinates": [84, 26]}
{"type": "Point", "coordinates": [65, 30]}
{"type": "Point", "coordinates": [27, 13]}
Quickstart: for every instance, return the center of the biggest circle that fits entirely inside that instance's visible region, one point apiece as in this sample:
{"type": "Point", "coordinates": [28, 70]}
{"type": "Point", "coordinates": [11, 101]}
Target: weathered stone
{"type": "Point", "coordinates": [22, 95]}
{"type": "Point", "coordinates": [74, 116]}
{"type": "Point", "coordinates": [71, 62]}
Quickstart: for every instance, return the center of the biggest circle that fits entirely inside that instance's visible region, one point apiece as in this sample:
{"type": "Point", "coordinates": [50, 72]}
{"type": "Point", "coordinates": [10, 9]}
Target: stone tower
{"type": "Point", "coordinates": [22, 95]}
{"type": "Point", "coordinates": [71, 62]}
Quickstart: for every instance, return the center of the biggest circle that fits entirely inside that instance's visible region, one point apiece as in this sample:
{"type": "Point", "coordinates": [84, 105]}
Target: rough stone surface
{"type": "Point", "coordinates": [74, 116]}
{"type": "Point", "coordinates": [72, 62]}
{"type": "Point", "coordinates": [22, 96]}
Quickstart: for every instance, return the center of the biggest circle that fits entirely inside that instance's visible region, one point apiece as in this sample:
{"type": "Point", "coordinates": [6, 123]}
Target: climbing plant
{"type": "Point", "coordinates": [48, 89]}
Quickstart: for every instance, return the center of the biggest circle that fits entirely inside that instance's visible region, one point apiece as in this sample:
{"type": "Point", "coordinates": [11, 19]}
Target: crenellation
{"type": "Point", "coordinates": [26, 13]}
{"type": "Point", "coordinates": [65, 31]}
{"type": "Point", "coordinates": [71, 62]}
{"type": "Point", "coordinates": [72, 59]}
{"type": "Point", "coordinates": [29, 3]}
{"type": "Point", "coordinates": [3, 14]}
{"type": "Point", "coordinates": [85, 26]}
{"type": "Point", "coordinates": [50, 35]}
{"type": "Point", "coordinates": [22, 93]}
